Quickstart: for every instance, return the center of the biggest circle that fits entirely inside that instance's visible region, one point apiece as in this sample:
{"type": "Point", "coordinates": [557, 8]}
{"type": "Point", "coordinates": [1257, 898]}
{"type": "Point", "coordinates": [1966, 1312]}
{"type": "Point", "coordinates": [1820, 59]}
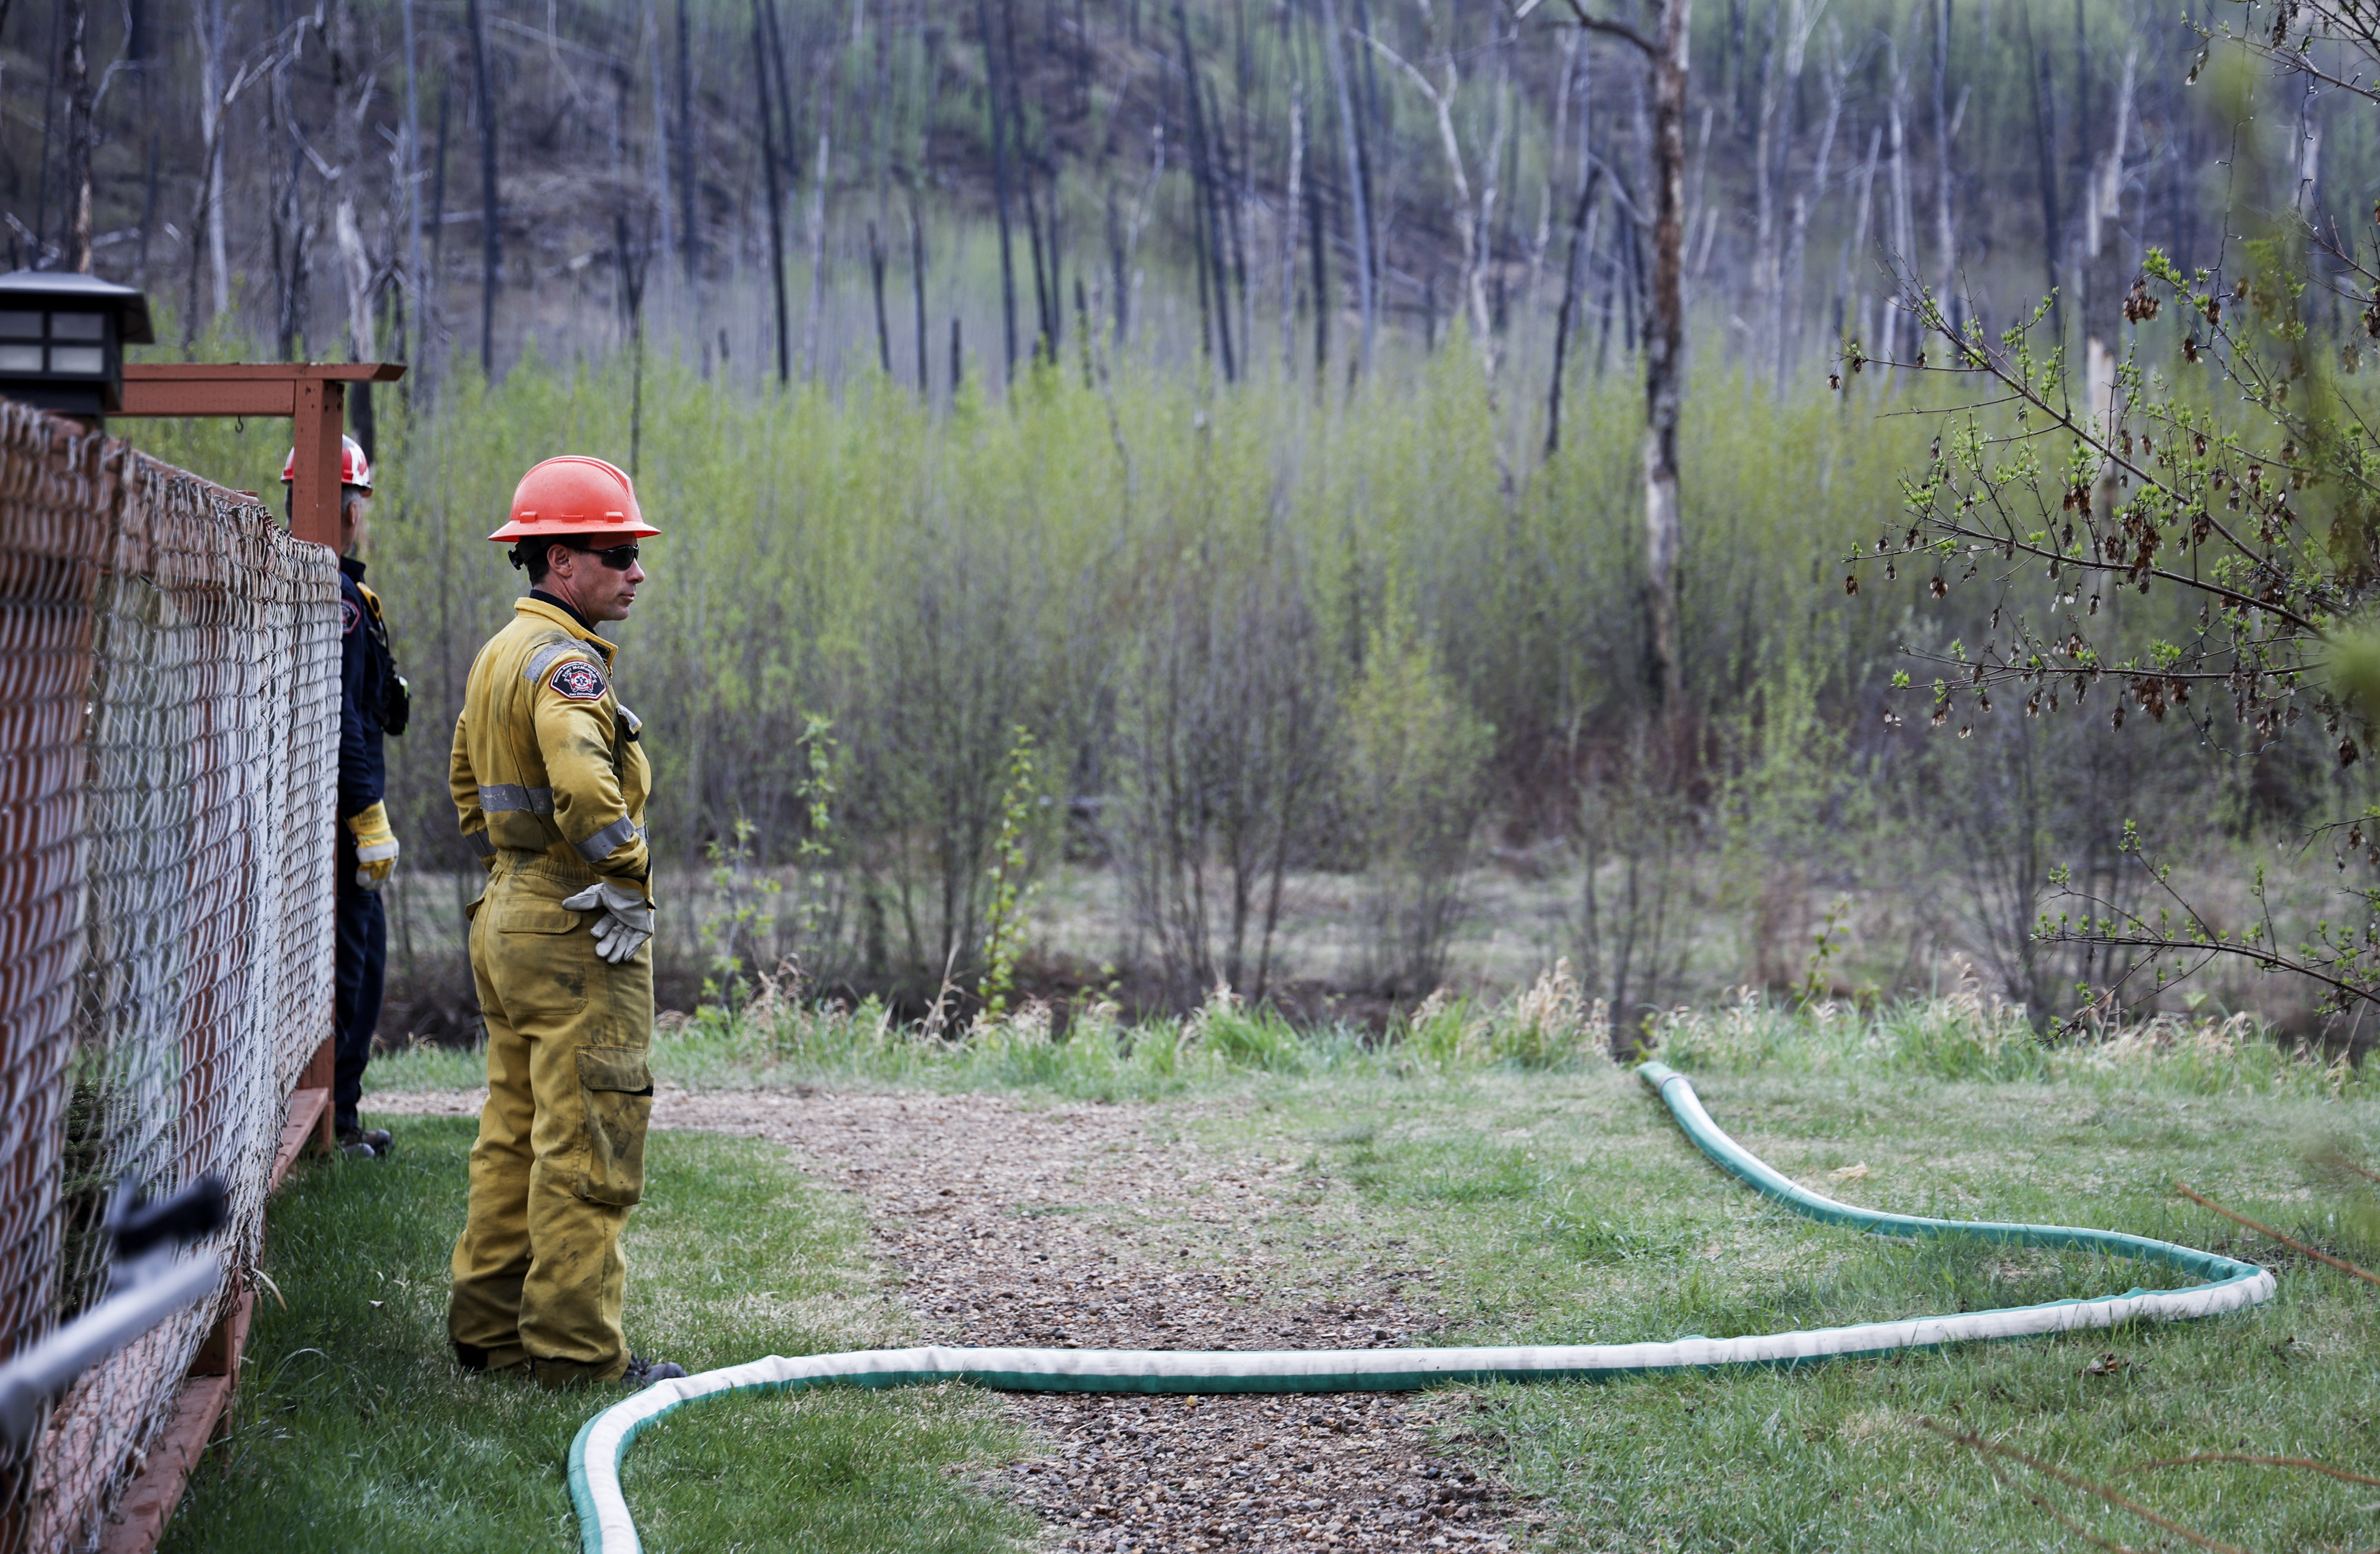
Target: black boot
{"type": "Point", "coordinates": [364, 1144]}
{"type": "Point", "coordinates": [642, 1372]}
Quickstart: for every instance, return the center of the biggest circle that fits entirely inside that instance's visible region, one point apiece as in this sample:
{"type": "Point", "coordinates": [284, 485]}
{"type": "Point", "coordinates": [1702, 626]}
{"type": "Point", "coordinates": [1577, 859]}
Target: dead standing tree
{"type": "Point", "coordinates": [1665, 333]}
{"type": "Point", "coordinates": [771, 187]}
{"type": "Point", "coordinates": [353, 84]}
{"type": "Point", "coordinates": [491, 256]}
{"type": "Point", "coordinates": [1473, 216]}
{"type": "Point", "coordinates": [1206, 180]}
{"type": "Point", "coordinates": [2227, 468]}
{"type": "Point", "coordinates": [1797, 245]}
{"type": "Point", "coordinates": [290, 224]}
{"type": "Point", "coordinates": [1359, 190]}
{"type": "Point", "coordinates": [996, 104]}
{"type": "Point", "coordinates": [78, 178]}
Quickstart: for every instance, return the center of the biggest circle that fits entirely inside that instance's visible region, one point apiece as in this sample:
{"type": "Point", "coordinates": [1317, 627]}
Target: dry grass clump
{"type": "Point", "coordinates": [1963, 1034]}
{"type": "Point", "coordinates": [1548, 1024]}
{"type": "Point", "coordinates": [1552, 1021]}
{"type": "Point", "coordinates": [1966, 1034]}
{"type": "Point", "coordinates": [1228, 1029]}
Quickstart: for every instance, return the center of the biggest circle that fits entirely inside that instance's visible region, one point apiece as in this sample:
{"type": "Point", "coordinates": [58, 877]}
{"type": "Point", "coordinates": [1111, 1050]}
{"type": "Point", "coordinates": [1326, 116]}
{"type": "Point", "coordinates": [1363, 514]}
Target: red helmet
{"type": "Point", "coordinates": [353, 468]}
{"type": "Point", "coordinates": [575, 495]}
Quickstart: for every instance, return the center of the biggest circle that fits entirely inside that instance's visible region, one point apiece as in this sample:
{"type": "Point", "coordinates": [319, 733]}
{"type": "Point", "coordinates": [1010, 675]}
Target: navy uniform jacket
{"type": "Point", "coordinates": [364, 667]}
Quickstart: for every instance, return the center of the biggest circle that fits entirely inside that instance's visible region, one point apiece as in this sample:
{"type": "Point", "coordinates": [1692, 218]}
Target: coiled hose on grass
{"type": "Point", "coordinates": [606, 1527]}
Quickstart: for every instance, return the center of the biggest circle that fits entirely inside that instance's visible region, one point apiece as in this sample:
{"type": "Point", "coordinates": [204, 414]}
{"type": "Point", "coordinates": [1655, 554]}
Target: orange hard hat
{"type": "Point", "coordinates": [575, 495]}
{"type": "Point", "coordinates": [353, 468]}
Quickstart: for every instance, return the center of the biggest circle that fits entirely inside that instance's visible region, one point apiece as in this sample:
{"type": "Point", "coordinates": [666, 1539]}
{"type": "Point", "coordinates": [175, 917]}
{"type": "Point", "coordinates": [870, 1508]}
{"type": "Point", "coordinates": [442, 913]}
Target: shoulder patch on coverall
{"type": "Point", "coordinates": [579, 680]}
{"type": "Point", "coordinates": [349, 617]}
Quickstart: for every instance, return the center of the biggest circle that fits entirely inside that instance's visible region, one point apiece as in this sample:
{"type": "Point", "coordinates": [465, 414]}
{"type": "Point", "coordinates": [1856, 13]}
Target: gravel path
{"type": "Point", "coordinates": [1101, 1227]}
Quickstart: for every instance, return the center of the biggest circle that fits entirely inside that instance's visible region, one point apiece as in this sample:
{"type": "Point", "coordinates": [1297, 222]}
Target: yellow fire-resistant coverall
{"type": "Point", "coordinates": [550, 785]}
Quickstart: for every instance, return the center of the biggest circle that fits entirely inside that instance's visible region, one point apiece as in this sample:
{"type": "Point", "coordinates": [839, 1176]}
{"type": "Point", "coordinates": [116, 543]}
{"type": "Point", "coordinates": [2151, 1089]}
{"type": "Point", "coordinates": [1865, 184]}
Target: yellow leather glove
{"type": "Point", "coordinates": [375, 845]}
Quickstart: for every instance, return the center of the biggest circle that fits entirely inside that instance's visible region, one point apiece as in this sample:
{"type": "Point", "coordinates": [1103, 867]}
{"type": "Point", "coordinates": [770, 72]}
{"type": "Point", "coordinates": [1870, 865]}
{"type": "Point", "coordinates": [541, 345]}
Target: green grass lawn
{"type": "Point", "coordinates": [1556, 1204]}
{"type": "Point", "coordinates": [353, 1429]}
{"type": "Point", "coordinates": [1567, 1209]}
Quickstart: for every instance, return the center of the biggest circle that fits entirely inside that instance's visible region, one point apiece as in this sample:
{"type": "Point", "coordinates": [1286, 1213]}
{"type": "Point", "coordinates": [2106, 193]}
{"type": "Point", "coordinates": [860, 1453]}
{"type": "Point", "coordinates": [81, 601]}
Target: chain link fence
{"type": "Point", "coordinates": [169, 682]}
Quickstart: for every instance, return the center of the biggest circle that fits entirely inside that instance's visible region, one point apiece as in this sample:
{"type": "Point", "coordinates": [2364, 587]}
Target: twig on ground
{"type": "Point", "coordinates": [2071, 1525]}
{"type": "Point", "coordinates": [2306, 1463]}
{"type": "Point", "coordinates": [1975, 1442]}
{"type": "Point", "coordinates": [2338, 1263]}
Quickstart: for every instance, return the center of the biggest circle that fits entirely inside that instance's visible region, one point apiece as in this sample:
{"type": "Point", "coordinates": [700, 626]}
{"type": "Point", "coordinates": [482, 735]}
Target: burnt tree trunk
{"type": "Point", "coordinates": [52, 63]}
{"type": "Point", "coordinates": [438, 203]}
{"type": "Point", "coordinates": [876, 282]}
{"type": "Point", "coordinates": [634, 252]}
{"type": "Point", "coordinates": [787, 157]}
{"type": "Point", "coordinates": [1314, 229]}
{"type": "Point", "coordinates": [1231, 189]}
{"type": "Point", "coordinates": [686, 240]}
{"type": "Point", "coordinates": [774, 190]}
{"type": "Point", "coordinates": [991, 79]}
{"type": "Point", "coordinates": [1036, 252]}
{"type": "Point", "coordinates": [1045, 289]}
{"type": "Point", "coordinates": [1057, 259]}
{"type": "Point", "coordinates": [491, 256]}
{"type": "Point", "coordinates": [148, 212]}
{"type": "Point", "coordinates": [1120, 264]}
{"type": "Point", "coordinates": [1242, 187]}
{"type": "Point", "coordinates": [917, 298]}
{"type": "Point", "coordinates": [1566, 318]}
{"type": "Point", "coordinates": [1202, 168]}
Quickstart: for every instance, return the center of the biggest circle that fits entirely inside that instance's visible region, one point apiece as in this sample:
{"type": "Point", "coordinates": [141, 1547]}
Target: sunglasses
{"type": "Point", "coordinates": [618, 557]}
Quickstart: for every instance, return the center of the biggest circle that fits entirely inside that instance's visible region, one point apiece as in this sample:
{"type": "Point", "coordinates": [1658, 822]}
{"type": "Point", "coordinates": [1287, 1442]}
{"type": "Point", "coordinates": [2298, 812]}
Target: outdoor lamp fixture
{"type": "Point", "coordinates": [62, 339]}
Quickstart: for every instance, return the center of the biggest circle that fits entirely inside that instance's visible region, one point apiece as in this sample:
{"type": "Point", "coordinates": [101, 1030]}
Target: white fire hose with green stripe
{"type": "Point", "coordinates": [606, 1527]}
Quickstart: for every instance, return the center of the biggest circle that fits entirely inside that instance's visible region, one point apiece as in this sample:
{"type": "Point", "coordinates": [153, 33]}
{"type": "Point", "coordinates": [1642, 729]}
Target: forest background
{"type": "Point", "coordinates": [1151, 497]}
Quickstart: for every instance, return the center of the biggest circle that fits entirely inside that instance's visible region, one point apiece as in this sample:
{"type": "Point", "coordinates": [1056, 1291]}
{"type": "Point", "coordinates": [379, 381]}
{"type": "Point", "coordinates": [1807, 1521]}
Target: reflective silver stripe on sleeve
{"type": "Point", "coordinates": [481, 845]}
{"type": "Point", "coordinates": [502, 798]}
{"type": "Point", "coordinates": [636, 724]}
{"type": "Point", "coordinates": [609, 840]}
{"type": "Point", "coordinates": [545, 658]}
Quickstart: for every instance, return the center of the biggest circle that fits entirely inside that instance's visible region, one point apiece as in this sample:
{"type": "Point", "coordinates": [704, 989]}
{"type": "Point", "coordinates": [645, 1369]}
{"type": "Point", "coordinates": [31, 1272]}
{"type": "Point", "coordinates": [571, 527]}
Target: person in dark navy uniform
{"type": "Point", "coordinates": [372, 703]}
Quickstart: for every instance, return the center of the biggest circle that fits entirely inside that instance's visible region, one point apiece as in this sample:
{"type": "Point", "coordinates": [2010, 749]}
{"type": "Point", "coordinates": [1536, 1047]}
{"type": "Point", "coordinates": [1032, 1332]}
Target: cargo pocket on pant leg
{"type": "Point", "coordinates": [616, 1086]}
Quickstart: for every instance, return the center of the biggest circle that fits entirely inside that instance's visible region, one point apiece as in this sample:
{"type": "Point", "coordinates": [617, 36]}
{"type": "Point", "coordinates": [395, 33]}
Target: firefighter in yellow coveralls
{"type": "Point", "coordinates": [550, 785]}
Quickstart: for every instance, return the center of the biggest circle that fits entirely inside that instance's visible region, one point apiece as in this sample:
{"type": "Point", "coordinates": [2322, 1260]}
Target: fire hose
{"type": "Point", "coordinates": [606, 1526]}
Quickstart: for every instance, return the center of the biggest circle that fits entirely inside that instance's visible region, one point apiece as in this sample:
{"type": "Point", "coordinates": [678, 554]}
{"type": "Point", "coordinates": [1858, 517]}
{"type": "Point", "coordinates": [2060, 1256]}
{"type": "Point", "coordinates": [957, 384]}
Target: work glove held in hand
{"type": "Point", "coordinates": [627, 920]}
{"type": "Point", "coordinates": [375, 845]}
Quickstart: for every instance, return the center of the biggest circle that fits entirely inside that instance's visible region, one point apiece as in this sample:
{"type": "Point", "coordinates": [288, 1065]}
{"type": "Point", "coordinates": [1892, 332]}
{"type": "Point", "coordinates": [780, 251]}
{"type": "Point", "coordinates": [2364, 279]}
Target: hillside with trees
{"type": "Point", "coordinates": [808, 189]}
{"type": "Point", "coordinates": [1156, 496]}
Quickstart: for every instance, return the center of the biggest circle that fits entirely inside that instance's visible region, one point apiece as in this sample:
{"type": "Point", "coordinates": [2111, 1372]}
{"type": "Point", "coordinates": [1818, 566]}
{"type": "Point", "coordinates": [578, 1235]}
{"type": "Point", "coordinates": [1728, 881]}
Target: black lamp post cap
{"type": "Point", "coordinates": [64, 290]}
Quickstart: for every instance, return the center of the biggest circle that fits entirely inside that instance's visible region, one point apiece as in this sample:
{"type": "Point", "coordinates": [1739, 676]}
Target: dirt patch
{"type": "Point", "coordinates": [426, 1102]}
{"type": "Point", "coordinates": [1101, 1227]}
